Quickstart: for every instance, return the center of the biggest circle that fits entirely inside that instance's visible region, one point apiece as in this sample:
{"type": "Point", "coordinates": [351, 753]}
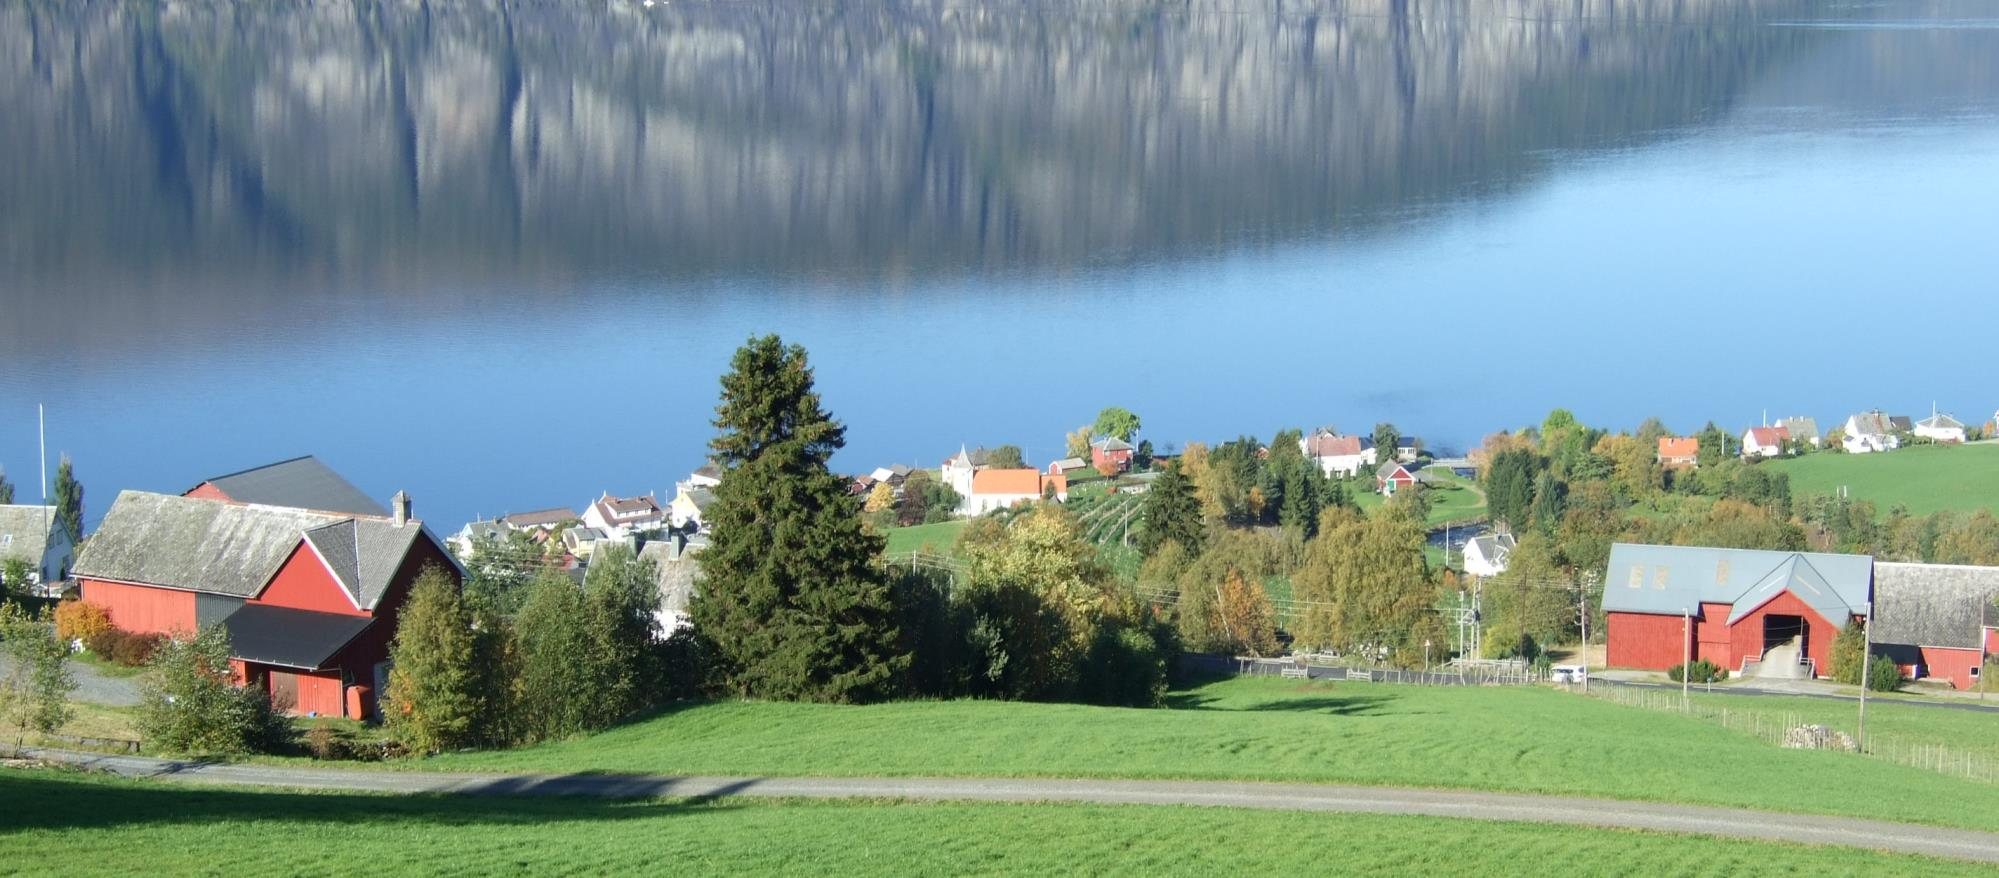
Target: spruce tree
{"type": "Point", "coordinates": [69, 502]}
{"type": "Point", "coordinates": [791, 598]}
{"type": "Point", "coordinates": [1172, 514]}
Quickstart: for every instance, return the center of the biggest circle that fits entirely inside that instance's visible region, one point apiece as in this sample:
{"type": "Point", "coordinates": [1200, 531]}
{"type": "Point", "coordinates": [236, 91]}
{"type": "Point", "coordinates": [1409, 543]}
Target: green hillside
{"type": "Point", "coordinates": [1923, 478]}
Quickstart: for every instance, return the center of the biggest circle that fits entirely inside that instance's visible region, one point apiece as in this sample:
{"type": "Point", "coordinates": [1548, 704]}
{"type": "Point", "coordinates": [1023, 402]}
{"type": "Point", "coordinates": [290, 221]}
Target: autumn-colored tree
{"type": "Point", "coordinates": [1243, 616]}
{"type": "Point", "coordinates": [1195, 466]}
{"type": "Point", "coordinates": [1077, 443]}
{"type": "Point", "coordinates": [1365, 586]}
{"type": "Point", "coordinates": [881, 498]}
{"type": "Point", "coordinates": [1634, 467]}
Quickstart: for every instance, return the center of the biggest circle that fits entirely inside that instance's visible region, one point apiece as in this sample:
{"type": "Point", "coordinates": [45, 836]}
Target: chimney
{"type": "Point", "coordinates": [401, 504]}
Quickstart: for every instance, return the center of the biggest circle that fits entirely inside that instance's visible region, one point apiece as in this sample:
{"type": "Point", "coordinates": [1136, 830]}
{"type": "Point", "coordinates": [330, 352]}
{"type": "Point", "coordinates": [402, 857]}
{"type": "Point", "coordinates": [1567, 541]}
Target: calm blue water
{"type": "Point", "coordinates": [506, 275]}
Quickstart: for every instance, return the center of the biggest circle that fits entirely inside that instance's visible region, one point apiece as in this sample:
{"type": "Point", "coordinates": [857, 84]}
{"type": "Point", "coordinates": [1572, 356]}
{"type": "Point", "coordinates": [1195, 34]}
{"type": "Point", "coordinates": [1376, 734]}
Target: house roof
{"type": "Point", "coordinates": [1069, 463]}
{"type": "Point", "coordinates": [1492, 546]}
{"type": "Point", "coordinates": [579, 535]}
{"type": "Point", "coordinates": [288, 637]}
{"type": "Point", "coordinates": [1803, 428]}
{"type": "Point", "coordinates": [1941, 421]}
{"type": "Point", "coordinates": [364, 554]}
{"type": "Point", "coordinates": [300, 483]}
{"type": "Point", "coordinates": [709, 470]}
{"type": "Point", "coordinates": [1111, 443]}
{"type": "Point", "coordinates": [1940, 605]}
{"type": "Point", "coordinates": [24, 531]}
{"type": "Point", "coordinates": [540, 518]}
{"type": "Point", "coordinates": [1333, 445]}
{"type": "Point", "coordinates": [678, 570]}
{"type": "Point", "coordinates": [228, 549]}
{"type": "Point", "coordinates": [1007, 481]}
{"type": "Point", "coordinates": [1767, 435]}
{"type": "Point", "coordinates": [1668, 579]}
{"type": "Point", "coordinates": [1679, 446]}
{"type": "Point", "coordinates": [1900, 423]}
{"type": "Point", "coordinates": [1869, 424]}
{"type": "Point", "coordinates": [624, 509]}
{"type": "Point", "coordinates": [1389, 469]}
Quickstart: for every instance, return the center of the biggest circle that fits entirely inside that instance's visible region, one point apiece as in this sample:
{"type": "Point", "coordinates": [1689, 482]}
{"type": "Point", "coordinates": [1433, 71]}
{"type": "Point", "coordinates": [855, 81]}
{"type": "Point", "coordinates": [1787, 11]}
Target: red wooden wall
{"type": "Point", "coordinates": [1951, 664]}
{"type": "Point", "coordinates": [1645, 641]}
{"type": "Point", "coordinates": [143, 610]}
{"type": "Point", "coordinates": [304, 583]}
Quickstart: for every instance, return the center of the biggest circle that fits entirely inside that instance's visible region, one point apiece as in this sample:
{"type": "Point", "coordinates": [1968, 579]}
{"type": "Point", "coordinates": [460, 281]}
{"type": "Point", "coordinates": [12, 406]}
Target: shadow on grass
{"type": "Point", "coordinates": [65, 800]}
{"type": "Point", "coordinates": [1337, 705]}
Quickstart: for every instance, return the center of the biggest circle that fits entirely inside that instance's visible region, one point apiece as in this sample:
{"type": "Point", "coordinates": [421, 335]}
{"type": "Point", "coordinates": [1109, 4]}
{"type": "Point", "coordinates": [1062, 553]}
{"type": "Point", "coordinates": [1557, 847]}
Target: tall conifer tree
{"type": "Point", "coordinates": [791, 598]}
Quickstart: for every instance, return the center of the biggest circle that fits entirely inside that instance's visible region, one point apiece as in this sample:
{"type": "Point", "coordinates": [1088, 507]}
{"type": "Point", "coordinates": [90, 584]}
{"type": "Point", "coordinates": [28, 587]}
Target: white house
{"type": "Point", "coordinates": [1487, 555]}
{"type": "Point", "coordinates": [689, 502]}
{"type": "Point", "coordinates": [1764, 441]}
{"type": "Point", "coordinates": [707, 476]}
{"type": "Point", "coordinates": [992, 489]}
{"type": "Point", "coordinates": [31, 534]}
{"type": "Point", "coordinates": [1940, 427]}
{"type": "Point", "coordinates": [621, 517]}
{"type": "Point", "coordinates": [463, 541]}
{"type": "Point", "coordinates": [1869, 432]}
{"type": "Point", "coordinates": [1339, 455]}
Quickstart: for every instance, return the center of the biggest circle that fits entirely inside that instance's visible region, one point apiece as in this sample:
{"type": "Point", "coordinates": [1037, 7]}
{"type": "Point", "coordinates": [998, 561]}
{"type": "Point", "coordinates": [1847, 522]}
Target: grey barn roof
{"type": "Point", "coordinates": [228, 549]}
{"type": "Point", "coordinates": [1668, 579]}
{"type": "Point", "coordinates": [288, 637]}
{"type": "Point", "coordinates": [24, 532]}
{"type": "Point", "coordinates": [300, 483]}
{"type": "Point", "coordinates": [1934, 604]}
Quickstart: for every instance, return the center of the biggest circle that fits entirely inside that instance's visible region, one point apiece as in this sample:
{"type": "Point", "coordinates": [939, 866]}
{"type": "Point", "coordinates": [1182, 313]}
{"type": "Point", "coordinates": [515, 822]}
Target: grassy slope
{"type": "Point", "coordinates": [1451, 500]}
{"type": "Point", "coordinates": [1925, 478]}
{"type": "Point", "coordinates": [940, 537]}
{"type": "Point", "coordinates": [1535, 740]}
{"type": "Point", "coordinates": [64, 824]}
{"type": "Point", "coordinates": [1958, 730]}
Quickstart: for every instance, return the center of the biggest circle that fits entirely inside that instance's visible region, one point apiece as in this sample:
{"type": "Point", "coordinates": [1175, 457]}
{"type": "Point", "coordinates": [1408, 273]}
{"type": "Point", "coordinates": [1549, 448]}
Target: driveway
{"type": "Point", "coordinates": [1955, 844]}
{"type": "Point", "coordinates": [92, 686]}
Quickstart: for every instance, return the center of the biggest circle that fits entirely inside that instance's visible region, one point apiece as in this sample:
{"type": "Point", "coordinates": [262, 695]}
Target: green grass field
{"type": "Point", "coordinates": [1924, 478]}
{"type": "Point", "coordinates": [941, 537]}
{"type": "Point", "coordinates": [68, 824]}
{"type": "Point", "coordinates": [1529, 740]}
{"type": "Point", "coordinates": [1451, 500]}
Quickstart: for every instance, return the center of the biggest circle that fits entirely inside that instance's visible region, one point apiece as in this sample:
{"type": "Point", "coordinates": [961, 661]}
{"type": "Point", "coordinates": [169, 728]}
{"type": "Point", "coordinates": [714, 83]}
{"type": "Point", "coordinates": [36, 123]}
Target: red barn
{"type": "Point", "coordinates": [309, 598]}
{"type": "Point", "coordinates": [1771, 614]}
{"type": "Point", "coordinates": [1392, 477]}
{"type": "Point", "coordinates": [1936, 620]}
{"type": "Point", "coordinates": [1111, 451]}
{"type": "Point", "coordinates": [300, 483]}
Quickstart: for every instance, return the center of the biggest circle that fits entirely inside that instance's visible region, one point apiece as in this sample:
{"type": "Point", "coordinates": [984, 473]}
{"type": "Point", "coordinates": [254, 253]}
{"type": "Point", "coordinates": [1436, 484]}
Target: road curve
{"type": "Point", "coordinates": [1956, 844]}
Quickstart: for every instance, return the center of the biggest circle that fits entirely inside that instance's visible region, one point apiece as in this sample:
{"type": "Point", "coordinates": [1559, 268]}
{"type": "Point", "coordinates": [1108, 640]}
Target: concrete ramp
{"type": "Point", "coordinates": [1781, 662]}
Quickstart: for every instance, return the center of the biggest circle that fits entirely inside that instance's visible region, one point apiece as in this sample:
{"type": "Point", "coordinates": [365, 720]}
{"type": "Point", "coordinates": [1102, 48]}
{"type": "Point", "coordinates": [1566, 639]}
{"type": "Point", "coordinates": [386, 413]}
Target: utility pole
{"type": "Point", "coordinates": [1866, 667]}
{"type": "Point", "coordinates": [1686, 651]}
{"type": "Point", "coordinates": [1582, 609]}
{"type": "Point", "coordinates": [42, 430]}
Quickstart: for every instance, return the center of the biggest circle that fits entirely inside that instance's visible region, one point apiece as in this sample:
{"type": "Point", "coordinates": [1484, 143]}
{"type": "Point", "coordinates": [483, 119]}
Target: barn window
{"type": "Point", "coordinates": [1659, 575]}
{"type": "Point", "coordinates": [1637, 576]}
{"type": "Point", "coordinates": [1974, 672]}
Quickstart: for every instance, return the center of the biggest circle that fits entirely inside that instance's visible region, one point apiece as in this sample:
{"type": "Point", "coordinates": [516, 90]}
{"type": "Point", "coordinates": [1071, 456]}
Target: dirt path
{"type": "Point", "coordinates": [1955, 844]}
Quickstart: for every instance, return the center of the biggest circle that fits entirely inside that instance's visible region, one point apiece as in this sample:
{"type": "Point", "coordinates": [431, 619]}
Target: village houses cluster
{"type": "Point", "coordinates": [307, 573]}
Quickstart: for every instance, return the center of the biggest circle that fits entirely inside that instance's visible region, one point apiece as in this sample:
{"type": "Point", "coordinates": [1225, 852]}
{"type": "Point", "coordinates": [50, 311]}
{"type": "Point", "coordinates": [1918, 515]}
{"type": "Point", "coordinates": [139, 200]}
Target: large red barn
{"type": "Point", "coordinates": [309, 599]}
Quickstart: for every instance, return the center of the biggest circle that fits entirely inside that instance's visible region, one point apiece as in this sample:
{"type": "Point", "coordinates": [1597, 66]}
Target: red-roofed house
{"type": "Point", "coordinates": [1761, 442]}
{"type": "Point", "coordinates": [620, 517]}
{"type": "Point", "coordinates": [1679, 452]}
{"type": "Point", "coordinates": [1001, 488]}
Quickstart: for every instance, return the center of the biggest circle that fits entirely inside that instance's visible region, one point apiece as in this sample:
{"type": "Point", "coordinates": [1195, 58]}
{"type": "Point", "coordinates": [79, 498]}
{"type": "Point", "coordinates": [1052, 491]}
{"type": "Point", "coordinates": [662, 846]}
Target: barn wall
{"type": "Point", "coordinates": [1715, 642]}
{"type": "Point", "coordinates": [304, 583]}
{"type": "Point", "coordinates": [1748, 633]}
{"type": "Point", "coordinates": [208, 491]}
{"type": "Point", "coordinates": [1953, 665]}
{"type": "Point", "coordinates": [319, 693]}
{"type": "Point", "coordinates": [143, 610]}
{"type": "Point", "coordinates": [1645, 641]}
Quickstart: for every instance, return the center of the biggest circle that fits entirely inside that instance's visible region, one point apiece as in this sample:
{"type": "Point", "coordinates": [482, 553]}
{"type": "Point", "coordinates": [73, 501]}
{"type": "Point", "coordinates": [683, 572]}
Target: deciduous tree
{"type": "Point", "coordinates": [433, 702]}
{"type": "Point", "coordinates": [1006, 457]}
{"type": "Point", "coordinates": [1077, 443]}
{"type": "Point", "coordinates": [1365, 586]}
{"type": "Point", "coordinates": [34, 695]}
{"type": "Point", "coordinates": [1118, 422]}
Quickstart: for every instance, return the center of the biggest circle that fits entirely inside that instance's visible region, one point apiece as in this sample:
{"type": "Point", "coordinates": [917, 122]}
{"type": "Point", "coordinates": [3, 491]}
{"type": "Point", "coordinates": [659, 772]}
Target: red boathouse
{"type": "Point", "coordinates": [309, 599]}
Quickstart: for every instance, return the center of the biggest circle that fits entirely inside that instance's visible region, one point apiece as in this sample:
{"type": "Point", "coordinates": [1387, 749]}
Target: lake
{"type": "Point", "coordinates": [499, 258]}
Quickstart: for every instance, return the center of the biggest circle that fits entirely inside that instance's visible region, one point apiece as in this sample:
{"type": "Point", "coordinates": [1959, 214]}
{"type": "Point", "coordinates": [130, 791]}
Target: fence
{"type": "Point", "coordinates": [1771, 727]}
{"type": "Point", "coordinates": [1320, 668]}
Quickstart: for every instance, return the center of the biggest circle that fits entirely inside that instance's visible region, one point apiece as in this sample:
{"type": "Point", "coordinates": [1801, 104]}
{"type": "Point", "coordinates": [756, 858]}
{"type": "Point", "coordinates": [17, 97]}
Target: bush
{"type": "Point", "coordinates": [80, 620]}
{"type": "Point", "coordinates": [1702, 671]}
{"type": "Point", "coordinates": [1883, 675]}
{"type": "Point", "coordinates": [124, 647]}
{"type": "Point", "coordinates": [103, 643]}
{"type": "Point", "coordinates": [190, 705]}
{"type": "Point", "coordinates": [1125, 667]}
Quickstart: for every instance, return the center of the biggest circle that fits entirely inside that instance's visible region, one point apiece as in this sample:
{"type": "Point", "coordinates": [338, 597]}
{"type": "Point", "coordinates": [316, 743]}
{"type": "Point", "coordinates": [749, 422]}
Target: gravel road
{"type": "Point", "coordinates": [1955, 844]}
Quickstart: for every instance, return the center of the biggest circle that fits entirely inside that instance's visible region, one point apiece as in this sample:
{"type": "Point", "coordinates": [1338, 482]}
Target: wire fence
{"type": "Point", "coordinates": [1775, 728]}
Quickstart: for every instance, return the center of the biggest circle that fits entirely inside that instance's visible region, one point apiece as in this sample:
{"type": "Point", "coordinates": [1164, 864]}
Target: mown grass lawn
{"type": "Point", "coordinates": [941, 537]}
{"type": "Point", "coordinates": [1957, 730]}
{"type": "Point", "coordinates": [67, 824]}
{"type": "Point", "coordinates": [1452, 499]}
{"type": "Point", "coordinates": [1924, 478]}
{"type": "Point", "coordinates": [1521, 739]}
